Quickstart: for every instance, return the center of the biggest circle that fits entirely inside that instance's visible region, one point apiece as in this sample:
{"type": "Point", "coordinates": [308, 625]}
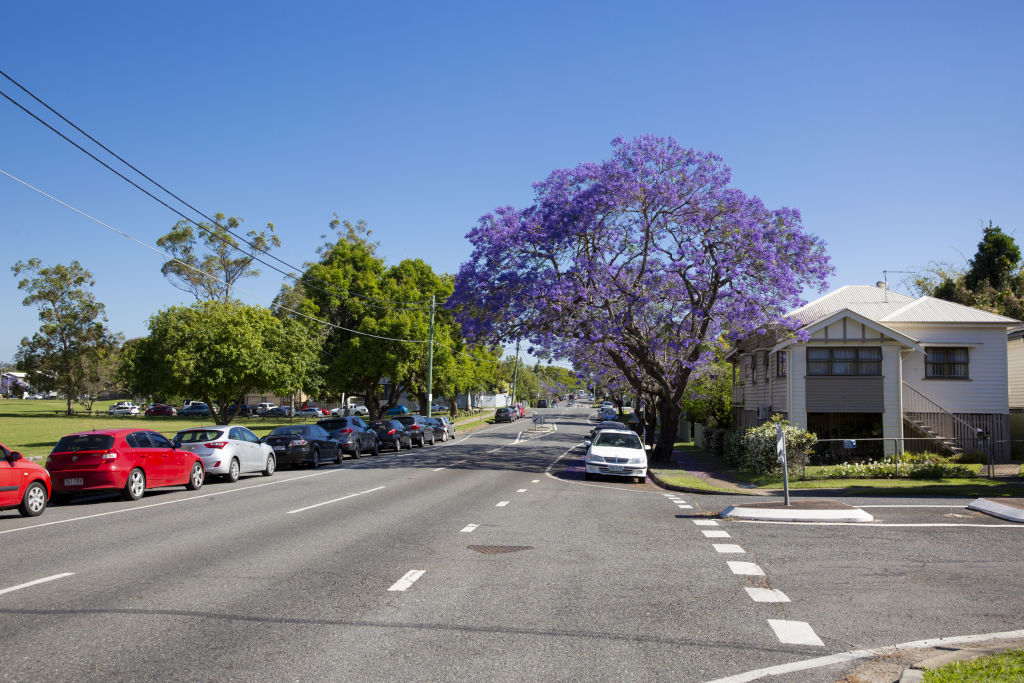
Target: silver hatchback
{"type": "Point", "coordinates": [228, 451]}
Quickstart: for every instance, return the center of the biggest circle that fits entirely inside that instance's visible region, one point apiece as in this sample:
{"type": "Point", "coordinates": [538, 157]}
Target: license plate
{"type": "Point", "coordinates": [279, 448]}
{"type": "Point", "coordinates": [75, 481]}
{"type": "Point", "coordinates": [614, 468]}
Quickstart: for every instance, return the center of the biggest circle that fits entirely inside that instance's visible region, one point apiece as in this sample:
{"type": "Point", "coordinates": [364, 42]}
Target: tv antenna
{"type": "Point", "coordinates": [884, 283]}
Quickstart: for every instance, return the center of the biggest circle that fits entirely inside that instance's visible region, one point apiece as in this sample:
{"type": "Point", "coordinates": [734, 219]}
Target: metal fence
{"type": "Point", "coordinates": [901, 453]}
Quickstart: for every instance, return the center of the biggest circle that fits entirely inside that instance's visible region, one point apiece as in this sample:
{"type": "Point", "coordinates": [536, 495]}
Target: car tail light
{"type": "Point", "coordinates": [108, 455]}
{"type": "Point", "coordinates": [345, 431]}
{"type": "Point", "coordinates": [216, 444]}
{"type": "Point", "coordinates": [414, 426]}
{"type": "Point", "coordinates": [391, 432]}
{"type": "Point", "coordinates": [297, 442]}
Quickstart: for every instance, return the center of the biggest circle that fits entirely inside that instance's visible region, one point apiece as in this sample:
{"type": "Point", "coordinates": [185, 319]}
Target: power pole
{"type": "Point", "coordinates": [515, 373]}
{"type": "Point", "coordinates": [430, 359]}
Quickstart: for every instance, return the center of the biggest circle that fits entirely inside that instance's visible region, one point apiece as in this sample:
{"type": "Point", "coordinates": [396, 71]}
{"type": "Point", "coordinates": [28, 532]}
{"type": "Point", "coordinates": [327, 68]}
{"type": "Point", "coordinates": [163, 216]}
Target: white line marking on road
{"type": "Point", "coordinates": [518, 437]}
{"type": "Point", "coordinates": [201, 494]}
{"type": "Point", "coordinates": [678, 501]}
{"type": "Point", "coordinates": [765, 594]}
{"type": "Point", "coordinates": [469, 528]}
{"type": "Point", "coordinates": [328, 502]}
{"type": "Point", "coordinates": [535, 481]}
{"type": "Point", "coordinates": [794, 632]}
{"type": "Point", "coordinates": [841, 657]}
{"type": "Point", "coordinates": [705, 522]}
{"type": "Point", "coordinates": [728, 548]}
{"type": "Point", "coordinates": [875, 525]}
{"type": "Point", "coordinates": [685, 507]}
{"type": "Point", "coordinates": [408, 580]}
{"type": "Point", "coordinates": [36, 582]}
{"type": "Point", "coordinates": [501, 504]}
{"type": "Point", "coordinates": [715, 533]}
{"type": "Point", "coordinates": [745, 568]}
{"type": "Point", "coordinates": [521, 491]}
{"type": "Point", "coordinates": [911, 506]}
{"type": "Point", "coordinates": [448, 465]}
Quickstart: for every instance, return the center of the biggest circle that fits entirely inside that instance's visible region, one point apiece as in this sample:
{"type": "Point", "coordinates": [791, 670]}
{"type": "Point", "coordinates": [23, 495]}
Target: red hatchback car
{"type": "Point", "coordinates": [128, 460]}
{"type": "Point", "coordinates": [23, 484]}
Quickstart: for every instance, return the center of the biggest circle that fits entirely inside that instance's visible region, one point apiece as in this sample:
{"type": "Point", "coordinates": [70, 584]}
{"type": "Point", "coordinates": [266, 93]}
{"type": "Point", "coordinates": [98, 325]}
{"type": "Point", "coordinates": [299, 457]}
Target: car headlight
{"type": "Point", "coordinates": [637, 461]}
{"type": "Point", "coordinates": [594, 458]}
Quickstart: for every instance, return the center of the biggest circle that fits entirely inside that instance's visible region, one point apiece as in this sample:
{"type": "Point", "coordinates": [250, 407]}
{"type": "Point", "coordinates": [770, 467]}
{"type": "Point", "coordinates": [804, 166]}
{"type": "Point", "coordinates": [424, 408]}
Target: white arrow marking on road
{"type": "Point", "coordinates": [794, 632]}
{"type": "Point", "coordinates": [408, 580]}
{"type": "Point", "coordinates": [328, 502]}
{"type": "Point", "coordinates": [745, 568]}
{"type": "Point", "coordinates": [728, 548]}
{"type": "Point", "coordinates": [36, 582]}
{"type": "Point", "coordinates": [765, 594]}
{"type": "Point", "coordinates": [469, 528]}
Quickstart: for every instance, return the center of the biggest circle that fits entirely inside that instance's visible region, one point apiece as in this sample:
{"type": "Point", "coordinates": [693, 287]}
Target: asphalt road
{"type": "Point", "coordinates": [483, 558]}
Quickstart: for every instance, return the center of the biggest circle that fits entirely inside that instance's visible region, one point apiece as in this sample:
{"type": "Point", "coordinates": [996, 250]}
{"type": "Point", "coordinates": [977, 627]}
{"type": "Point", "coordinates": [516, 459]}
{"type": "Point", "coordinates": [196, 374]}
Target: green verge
{"type": "Point", "coordinates": [684, 479]}
{"type": "Point", "coordinates": [1005, 667]}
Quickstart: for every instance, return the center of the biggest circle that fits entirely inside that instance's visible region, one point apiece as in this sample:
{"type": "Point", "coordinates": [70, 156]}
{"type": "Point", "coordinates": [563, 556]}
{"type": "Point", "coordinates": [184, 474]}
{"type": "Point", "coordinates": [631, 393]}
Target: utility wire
{"type": "Point", "coordinates": [416, 305]}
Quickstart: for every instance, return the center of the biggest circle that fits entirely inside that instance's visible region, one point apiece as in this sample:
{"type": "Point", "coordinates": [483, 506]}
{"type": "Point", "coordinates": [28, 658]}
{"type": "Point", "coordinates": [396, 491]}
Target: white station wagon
{"type": "Point", "coordinates": [617, 453]}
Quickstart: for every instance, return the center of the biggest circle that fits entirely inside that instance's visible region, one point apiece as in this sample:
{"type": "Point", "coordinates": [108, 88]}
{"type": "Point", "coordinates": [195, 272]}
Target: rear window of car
{"type": "Point", "coordinates": [380, 424]}
{"type": "Point", "coordinates": [408, 420]}
{"type": "Point", "coordinates": [339, 423]}
{"type": "Point", "coordinates": [84, 442]}
{"type": "Point", "coordinates": [197, 435]}
{"type": "Point", "coordinates": [298, 429]}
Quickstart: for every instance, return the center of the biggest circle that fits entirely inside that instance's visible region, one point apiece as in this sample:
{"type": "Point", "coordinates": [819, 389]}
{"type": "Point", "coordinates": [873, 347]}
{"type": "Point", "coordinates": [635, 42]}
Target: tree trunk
{"type": "Point", "coordinates": [453, 406]}
{"type": "Point", "coordinates": [421, 398]}
{"type": "Point", "coordinates": [669, 413]}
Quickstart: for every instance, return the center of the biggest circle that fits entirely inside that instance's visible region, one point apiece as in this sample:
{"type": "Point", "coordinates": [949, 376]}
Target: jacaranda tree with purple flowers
{"type": "Point", "coordinates": [649, 257]}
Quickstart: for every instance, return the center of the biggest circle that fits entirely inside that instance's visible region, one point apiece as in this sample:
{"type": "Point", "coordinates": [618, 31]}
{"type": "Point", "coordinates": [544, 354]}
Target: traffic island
{"type": "Point", "coordinates": [1010, 509]}
{"type": "Point", "coordinates": [798, 511]}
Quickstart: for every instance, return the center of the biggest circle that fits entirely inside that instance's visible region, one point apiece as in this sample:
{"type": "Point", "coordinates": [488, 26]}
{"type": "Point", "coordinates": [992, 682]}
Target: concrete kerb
{"type": "Point", "coordinates": [798, 511]}
{"type": "Point", "coordinates": [1010, 509]}
{"type": "Point", "coordinates": [915, 673]}
{"type": "Point", "coordinates": [693, 489]}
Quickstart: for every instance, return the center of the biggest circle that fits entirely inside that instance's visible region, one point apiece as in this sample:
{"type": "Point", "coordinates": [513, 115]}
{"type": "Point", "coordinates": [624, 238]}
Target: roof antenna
{"type": "Point", "coordinates": [884, 283]}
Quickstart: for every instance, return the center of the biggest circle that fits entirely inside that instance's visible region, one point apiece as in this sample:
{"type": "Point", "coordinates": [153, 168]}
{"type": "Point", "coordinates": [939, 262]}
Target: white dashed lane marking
{"type": "Point", "coordinates": [728, 548]}
{"type": "Point", "coordinates": [408, 580]}
{"type": "Point", "coordinates": [765, 594]}
{"type": "Point", "coordinates": [745, 568]}
{"type": "Point", "coordinates": [535, 481]}
{"type": "Point", "coordinates": [715, 533]}
{"type": "Point", "coordinates": [521, 491]}
{"type": "Point", "coordinates": [795, 632]}
{"type": "Point", "coordinates": [705, 522]}
{"type": "Point", "coordinates": [501, 504]}
{"type": "Point", "coordinates": [35, 583]}
{"type": "Point", "coordinates": [469, 528]}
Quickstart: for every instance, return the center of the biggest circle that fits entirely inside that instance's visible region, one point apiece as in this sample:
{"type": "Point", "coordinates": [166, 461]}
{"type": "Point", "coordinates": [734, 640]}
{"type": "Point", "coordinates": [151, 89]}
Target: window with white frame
{"type": "Point", "coordinates": [946, 363]}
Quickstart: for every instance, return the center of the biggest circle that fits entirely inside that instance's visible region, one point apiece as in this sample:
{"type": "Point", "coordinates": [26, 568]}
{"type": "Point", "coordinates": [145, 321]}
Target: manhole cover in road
{"type": "Point", "coordinates": [498, 549]}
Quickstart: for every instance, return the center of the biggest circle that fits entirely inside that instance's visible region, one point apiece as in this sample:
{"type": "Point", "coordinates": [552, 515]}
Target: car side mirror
{"type": "Point", "coordinates": [15, 455]}
{"type": "Point", "coordinates": [648, 447]}
{"type": "Point", "coordinates": [586, 442]}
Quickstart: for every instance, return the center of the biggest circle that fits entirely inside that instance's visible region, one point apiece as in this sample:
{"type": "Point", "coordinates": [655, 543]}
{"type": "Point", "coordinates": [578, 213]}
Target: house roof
{"type": "Point", "coordinates": [882, 329]}
{"type": "Point", "coordinates": [887, 306]}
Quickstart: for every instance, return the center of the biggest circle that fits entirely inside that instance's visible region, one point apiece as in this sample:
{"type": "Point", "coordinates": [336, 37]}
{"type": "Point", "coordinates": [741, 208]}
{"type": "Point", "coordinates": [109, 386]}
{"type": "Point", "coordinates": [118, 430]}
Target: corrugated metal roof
{"type": "Point", "coordinates": [931, 310]}
{"type": "Point", "coordinates": [871, 302]}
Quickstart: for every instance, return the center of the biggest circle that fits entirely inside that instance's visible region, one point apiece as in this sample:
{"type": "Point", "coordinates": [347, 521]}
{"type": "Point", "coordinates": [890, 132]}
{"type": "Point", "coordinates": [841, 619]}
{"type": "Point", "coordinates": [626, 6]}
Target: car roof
{"type": "Point", "coordinates": [619, 431]}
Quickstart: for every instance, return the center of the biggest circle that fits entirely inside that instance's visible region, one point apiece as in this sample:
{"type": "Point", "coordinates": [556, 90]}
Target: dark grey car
{"type": "Point", "coordinates": [354, 435]}
{"type": "Point", "coordinates": [422, 431]}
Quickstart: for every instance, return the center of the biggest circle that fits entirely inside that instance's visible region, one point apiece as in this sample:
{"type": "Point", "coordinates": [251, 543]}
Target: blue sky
{"type": "Point", "coordinates": [896, 128]}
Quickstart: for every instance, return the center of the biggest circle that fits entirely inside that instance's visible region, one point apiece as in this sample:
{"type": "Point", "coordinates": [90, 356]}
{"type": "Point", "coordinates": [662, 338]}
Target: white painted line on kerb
{"type": "Point", "coordinates": [520, 490]}
{"type": "Point", "coordinates": [745, 568]}
{"type": "Point", "coordinates": [408, 580]}
{"type": "Point", "coordinates": [705, 522]}
{"type": "Point", "coordinates": [728, 548]}
{"type": "Point", "coordinates": [795, 632]}
{"type": "Point", "coordinates": [469, 528]}
{"type": "Point", "coordinates": [518, 437]}
{"type": "Point", "coordinates": [501, 504]}
{"type": "Point", "coordinates": [328, 502]}
{"type": "Point", "coordinates": [765, 594]}
{"type": "Point", "coordinates": [715, 533]}
{"type": "Point", "coordinates": [36, 582]}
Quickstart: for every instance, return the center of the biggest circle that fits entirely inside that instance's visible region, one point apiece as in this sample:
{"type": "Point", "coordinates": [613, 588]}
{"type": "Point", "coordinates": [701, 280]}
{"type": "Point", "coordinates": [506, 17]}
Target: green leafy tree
{"type": "Point", "coordinates": [220, 351]}
{"type": "Point", "coordinates": [210, 276]}
{"type": "Point", "coordinates": [996, 263]}
{"type": "Point", "coordinates": [709, 396]}
{"type": "Point", "coordinates": [67, 354]}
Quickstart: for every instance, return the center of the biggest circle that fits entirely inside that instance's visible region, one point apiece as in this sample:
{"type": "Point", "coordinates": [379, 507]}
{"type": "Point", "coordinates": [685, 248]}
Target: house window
{"type": "Point", "coordinates": [780, 364]}
{"type": "Point", "coordinates": [753, 367]}
{"type": "Point", "coordinates": [946, 363]}
{"type": "Point", "coordinates": [844, 362]}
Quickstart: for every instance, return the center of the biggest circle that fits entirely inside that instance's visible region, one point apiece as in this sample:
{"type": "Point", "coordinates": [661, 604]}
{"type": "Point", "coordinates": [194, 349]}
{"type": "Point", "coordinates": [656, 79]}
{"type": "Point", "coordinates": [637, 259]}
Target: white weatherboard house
{"type": "Point", "coordinates": [879, 364]}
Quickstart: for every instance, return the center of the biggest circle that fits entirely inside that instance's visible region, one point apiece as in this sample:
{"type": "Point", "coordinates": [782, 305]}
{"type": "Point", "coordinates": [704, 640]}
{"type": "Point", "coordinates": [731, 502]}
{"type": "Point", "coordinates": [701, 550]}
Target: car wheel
{"type": "Point", "coordinates": [233, 469]}
{"type": "Point", "coordinates": [444, 437]}
{"type": "Point", "coordinates": [433, 440]}
{"type": "Point", "coordinates": [398, 445]}
{"type": "Point", "coordinates": [34, 501]}
{"type": "Point", "coordinates": [271, 466]}
{"type": "Point", "coordinates": [316, 458]}
{"type": "Point", "coordinates": [641, 480]}
{"type": "Point", "coordinates": [356, 453]}
{"type": "Point", "coordinates": [376, 447]}
{"type": "Point", "coordinates": [135, 486]}
{"type": "Point", "coordinates": [196, 477]}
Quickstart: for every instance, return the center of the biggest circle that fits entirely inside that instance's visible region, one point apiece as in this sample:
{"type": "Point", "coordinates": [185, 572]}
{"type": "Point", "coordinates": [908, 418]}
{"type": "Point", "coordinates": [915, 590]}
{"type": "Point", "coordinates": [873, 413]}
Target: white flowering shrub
{"type": "Point", "coordinates": [758, 446]}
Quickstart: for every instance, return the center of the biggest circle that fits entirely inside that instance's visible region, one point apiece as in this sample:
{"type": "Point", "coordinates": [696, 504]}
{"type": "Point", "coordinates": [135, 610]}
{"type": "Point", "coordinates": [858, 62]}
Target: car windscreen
{"type": "Point", "coordinates": [84, 442]}
{"type": "Point", "coordinates": [618, 440]}
{"type": "Point", "coordinates": [408, 420]}
{"type": "Point", "coordinates": [280, 431]}
{"type": "Point", "coordinates": [197, 435]}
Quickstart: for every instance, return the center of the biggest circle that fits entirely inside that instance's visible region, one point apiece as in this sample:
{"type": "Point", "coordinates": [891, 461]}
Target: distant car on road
{"type": "Point", "coordinates": [23, 484]}
{"type": "Point", "coordinates": [398, 410]}
{"type": "Point", "coordinates": [195, 409]}
{"type": "Point", "coordinates": [228, 451]}
{"type": "Point", "coordinates": [160, 409]}
{"type": "Point", "coordinates": [278, 411]}
{"type": "Point", "coordinates": [448, 426]}
{"type": "Point", "coordinates": [607, 414]}
{"type": "Point", "coordinates": [504, 415]}
{"type": "Point", "coordinates": [542, 403]}
{"type": "Point", "coordinates": [421, 431]}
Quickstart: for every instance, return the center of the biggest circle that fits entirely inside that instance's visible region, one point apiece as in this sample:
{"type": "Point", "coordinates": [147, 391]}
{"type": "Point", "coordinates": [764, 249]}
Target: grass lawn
{"type": "Point", "coordinates": [1005, 667]}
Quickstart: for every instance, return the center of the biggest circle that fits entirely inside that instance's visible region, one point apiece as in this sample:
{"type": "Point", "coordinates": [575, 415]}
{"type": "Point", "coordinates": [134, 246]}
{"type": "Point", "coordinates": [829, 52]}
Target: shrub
{"type": "Point", "coordinates": [716, 442]}
{"type": "Point", "coordinates": [974, 457]}
{"type": "Point", "coordinates": [733, 447]}
{"type": "Point", "coordinates": [940, 471]}
{"type": "Point", "coordinates": [759, 456]}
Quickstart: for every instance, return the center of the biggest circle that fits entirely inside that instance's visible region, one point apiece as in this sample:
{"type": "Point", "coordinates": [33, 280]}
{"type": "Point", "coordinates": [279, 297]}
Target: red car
{"type": "Point", "coordinates": [128, 460]}
{"type": "Point", "coordinates": [160, 409]}
{"type": "Point", "coordinates": [23, 484]}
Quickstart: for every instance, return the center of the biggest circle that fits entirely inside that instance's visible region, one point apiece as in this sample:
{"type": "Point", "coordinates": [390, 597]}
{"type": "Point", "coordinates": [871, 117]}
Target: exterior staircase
{"type": "Point", "coordinates": [926, 418]}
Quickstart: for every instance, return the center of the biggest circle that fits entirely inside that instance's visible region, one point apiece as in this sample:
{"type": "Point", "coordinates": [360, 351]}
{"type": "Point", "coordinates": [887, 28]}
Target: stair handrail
{"type": "Point", "coordinates": [937, 406]}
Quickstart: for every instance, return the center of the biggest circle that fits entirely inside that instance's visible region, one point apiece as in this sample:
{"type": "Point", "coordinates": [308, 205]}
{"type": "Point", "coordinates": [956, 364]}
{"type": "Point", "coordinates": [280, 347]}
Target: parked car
{"type": "Point", "coordinates": [504, 415]}
{"type": "Point", "coordinates": [354, 435]}
{"type": "Point", "coordinates": [398, 410]}
{"type": "Point", "coordinates": [438, 408]}
{"type": "Point", "coordinates": [520, 409]}
{"type": "Point", "coordinates": [618, 453]}
{"type": "Point", "coordinates": [160, 409]}
{"type": "Point", "coordinates": [604, 413]}
{"type": "Point", "coordinates": [23, 484]}
{"type": "Point", "coordinates": [228, 451]}
{"type": "Point", "coordinates": [607, 424]}
{"type": "Point", "coordinates": [440, 430]}
{"type": "Point", "coordinates": [278, 411]}
{"type": "Point", "coordinates": [542, 403]}
{"type": "Point", "coordinates": [392, 433]}
{"type": "Point", "coordinates": [194, 409]}
{"type": "Point", "coordinates": [421, 431]}
{"type": "Point", "coordinates": [265, 406]}
{"type": "Point", "coordinates": [448, 426]}
{"type": "Point", "coordinates": [123, 408]}
{"type": "Point", "coordinates": [242, 409]}
{"type": "Point", "coordinates": [128, 460]}
{"type": "Point", "coordinates": [309, 411]}
{"type": "Point", "coordinates": [302, 444]}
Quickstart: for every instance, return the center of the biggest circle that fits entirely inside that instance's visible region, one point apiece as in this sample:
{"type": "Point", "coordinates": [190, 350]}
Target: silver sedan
{"type": "Point", "coordinates": [228, 451]}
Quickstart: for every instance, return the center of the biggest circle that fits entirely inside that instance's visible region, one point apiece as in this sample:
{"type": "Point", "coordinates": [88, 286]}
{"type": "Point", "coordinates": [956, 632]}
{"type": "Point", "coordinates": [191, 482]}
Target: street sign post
{"type": "Point", "coordinates": [780, 448]}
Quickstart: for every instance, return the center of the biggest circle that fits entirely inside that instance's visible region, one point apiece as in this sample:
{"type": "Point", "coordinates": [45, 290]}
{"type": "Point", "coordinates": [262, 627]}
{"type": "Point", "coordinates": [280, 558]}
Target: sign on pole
{"type": "Point", "coordinates": [780, 448]}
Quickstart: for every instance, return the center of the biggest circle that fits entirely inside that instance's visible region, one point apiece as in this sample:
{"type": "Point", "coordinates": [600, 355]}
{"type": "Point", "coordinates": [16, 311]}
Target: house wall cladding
{"type": "Point", "coordinates": [845, 395]}
{"type": "Point", "coordinates": [1015, 370]}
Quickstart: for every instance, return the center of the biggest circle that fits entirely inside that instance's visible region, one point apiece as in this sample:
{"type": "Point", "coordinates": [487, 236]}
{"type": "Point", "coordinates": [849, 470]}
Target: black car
{"type": "Point", "coordinates": [607, 424]}
{"type": "Point", "coordinates": [392, 433]}
{"type": "Point", "coordinates": [421, 431]}
{"type": "Point", "coordinates": [354, 435]}
{"type": "Point", "coordinates": [504, 415]}
{"type": "Point", "coordinates": [303, 444]}
{"type": "Point", "coordinates": [440, 430]}
{"type": "Point", "coordinates": [542, 403]}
